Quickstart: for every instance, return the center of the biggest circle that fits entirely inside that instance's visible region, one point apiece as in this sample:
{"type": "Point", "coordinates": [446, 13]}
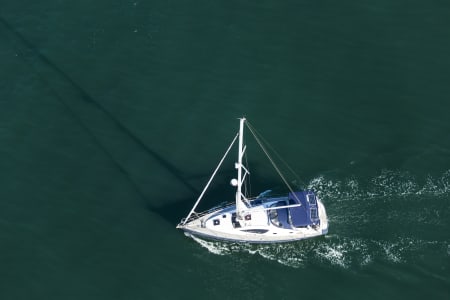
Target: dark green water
{"type": "Point", "coordinates": [114, 113]}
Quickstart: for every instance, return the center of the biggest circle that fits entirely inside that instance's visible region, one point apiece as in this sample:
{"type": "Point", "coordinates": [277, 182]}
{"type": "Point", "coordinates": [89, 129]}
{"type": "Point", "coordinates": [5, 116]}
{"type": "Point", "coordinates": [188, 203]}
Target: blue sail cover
{"type": "Point", "coordinates": [306, 214]}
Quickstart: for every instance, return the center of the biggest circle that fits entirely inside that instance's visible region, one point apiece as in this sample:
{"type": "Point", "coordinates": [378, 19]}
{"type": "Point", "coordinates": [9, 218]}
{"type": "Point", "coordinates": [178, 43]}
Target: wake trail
{"type": "Point", "coordinates": [395, 202]}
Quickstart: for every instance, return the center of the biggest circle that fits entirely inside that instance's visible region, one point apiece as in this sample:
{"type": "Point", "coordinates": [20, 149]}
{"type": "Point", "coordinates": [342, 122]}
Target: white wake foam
{"type": "Point", "coordinates": [348, 204]}
{"type": "Point", "coordinates": [335, 251]}
{"type": "Point", "coordinates": [387, 183]}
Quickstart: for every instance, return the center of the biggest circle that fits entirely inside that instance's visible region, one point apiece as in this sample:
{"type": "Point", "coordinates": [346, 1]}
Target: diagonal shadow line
{"type": "Point", "coordinates": [87, 98]}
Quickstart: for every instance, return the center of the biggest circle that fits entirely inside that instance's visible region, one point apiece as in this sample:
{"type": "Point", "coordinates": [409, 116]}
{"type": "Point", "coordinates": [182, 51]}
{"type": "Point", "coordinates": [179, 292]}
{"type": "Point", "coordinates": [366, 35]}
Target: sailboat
{"type": "Point", "coordinates": [267, 218]}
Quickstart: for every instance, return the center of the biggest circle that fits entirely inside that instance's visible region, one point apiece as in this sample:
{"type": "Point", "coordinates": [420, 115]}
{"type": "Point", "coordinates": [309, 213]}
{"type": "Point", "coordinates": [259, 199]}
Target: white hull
{"type": "Point", "coordinates": [259, 229]}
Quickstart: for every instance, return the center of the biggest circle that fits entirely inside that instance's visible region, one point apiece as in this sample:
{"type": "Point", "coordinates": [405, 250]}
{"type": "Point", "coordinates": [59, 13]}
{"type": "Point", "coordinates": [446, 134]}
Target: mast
{"type": "Point", "coordinates": [240, 206]}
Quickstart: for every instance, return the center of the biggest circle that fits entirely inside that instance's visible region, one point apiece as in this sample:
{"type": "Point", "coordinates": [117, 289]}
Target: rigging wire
{"type": "Point", "coordinates": [257, 135]}
{"type": "Point", "coordinates": [269, 157]}
{"type": "Point", "coordinates": [183, 222]}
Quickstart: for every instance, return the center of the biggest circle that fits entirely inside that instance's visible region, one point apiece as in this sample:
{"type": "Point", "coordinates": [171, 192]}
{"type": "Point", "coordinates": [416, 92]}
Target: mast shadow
{"type": "Point", "coordinates": [37, 61]}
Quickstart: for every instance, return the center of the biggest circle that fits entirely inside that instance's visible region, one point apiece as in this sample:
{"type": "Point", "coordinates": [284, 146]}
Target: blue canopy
{"type": "Point", "coordinates": [306, 214]}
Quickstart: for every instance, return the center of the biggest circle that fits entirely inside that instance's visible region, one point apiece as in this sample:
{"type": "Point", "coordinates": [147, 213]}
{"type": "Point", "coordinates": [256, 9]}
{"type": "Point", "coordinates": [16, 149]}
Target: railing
{"type": "Point", "coordinates": [196, 215]}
